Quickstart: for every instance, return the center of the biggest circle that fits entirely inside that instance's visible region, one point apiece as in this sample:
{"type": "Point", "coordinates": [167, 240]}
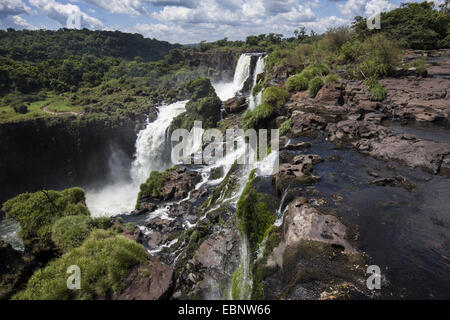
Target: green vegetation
{"type": "Point", "coordinates": [275, 96]}
{"type": "Point", "coordinates": [314, 86]}
{"type": "Point", "coordinates": [254, 217]}
{"type": "Point", "coordinates": [297, 82]}
{"type": "Point", "coordinates": [272, 99]}
{"type": "Point", "coordinates": [37, 212]}
{"type": "Point", "coordinates": [204, 106]}
{"type": "Point", "coordinates": [153, 186]}
{"type": "Point", "coordinates": [104, 260]}
{"type": "Point", "coordinates": [331, 78]}
{"type": "Point", "coordinates": [413, 25]}
{"type": "Point", "coordinates": [420, 64]}
{"type": "Point", "coordinates": [285, 127]}
{"type": "Point", "coordinates": [376, 90]}
{"type": "Point", "coordinates": [69, 232]}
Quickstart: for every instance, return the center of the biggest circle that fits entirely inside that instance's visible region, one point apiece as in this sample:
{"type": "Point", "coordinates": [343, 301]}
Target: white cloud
{"type": "Point", "coordinates": [13, 8]}
{"type": "Point", "coordinates": [353, 8]}
{"type": "Point", "coordinates": [16, 22]}
{"type": "Point", "coordinates": [132, 7]}
{"type": "Point", "coordinates": [174, 3]}
{"type": "Point", "coordinates": [60, 12]}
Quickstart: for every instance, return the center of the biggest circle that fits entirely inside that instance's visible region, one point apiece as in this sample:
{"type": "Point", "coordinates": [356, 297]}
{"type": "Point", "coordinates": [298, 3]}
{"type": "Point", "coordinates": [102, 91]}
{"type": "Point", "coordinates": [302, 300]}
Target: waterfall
{"type": "Point", "coordinates": [259, 68]}
{"type": "Point", "coordinates": [228, 90]}
{"type": "Point", "coordinates": [152, 153]}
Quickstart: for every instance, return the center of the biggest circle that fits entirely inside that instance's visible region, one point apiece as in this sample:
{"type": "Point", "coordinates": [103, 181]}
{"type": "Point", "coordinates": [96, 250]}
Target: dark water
{"type": "Point", "coordinates": [406, 233]}
{"type": "Point", "coordinates": [423, 130]}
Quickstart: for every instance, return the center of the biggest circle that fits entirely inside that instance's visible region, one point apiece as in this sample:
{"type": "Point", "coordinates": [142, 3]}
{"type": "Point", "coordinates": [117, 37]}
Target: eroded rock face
{"type": "Point", "coordinates": [148, 282]}
{"type": "Point", "coordinates": [13, 270]}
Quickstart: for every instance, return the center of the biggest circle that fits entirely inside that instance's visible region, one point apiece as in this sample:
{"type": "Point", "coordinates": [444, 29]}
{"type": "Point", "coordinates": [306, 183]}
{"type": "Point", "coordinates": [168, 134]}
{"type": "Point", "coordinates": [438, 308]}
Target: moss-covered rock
{"type": "Point", "coordinates": [104, 260]}
{"type": "Point", "coordinates": [204, 106]}
{"type": "Point", "coordinates": [37, 212]}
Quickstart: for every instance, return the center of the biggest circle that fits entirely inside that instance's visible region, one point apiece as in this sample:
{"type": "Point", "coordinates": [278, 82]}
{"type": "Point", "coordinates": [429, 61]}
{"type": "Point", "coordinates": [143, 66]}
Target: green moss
{"type": "Point", "coordinates": [275, 96]}
{"type": "Point", "coordinates": [69, 232]}
{"type": "Point", "coordinates": [253, 215]}
{"type": "Point", "coordinates": [252, 119]}
{"type": "Point", "coordinates": [237, 287]}
{"type": "Point", "coordinates": [104, 261]}
{"type": "Point", "coordinates": [256, 89]}
{"type": "Point", "coordinates": [102, 222]}
{"type": "Point", "coordinates": [153, 185]}
{"type": "Point", "coordinates": [314, 86]}
{"type": "Point", "coordinates": [285, 127]}
{"type": "Point", "coordinates": [297, 82]}
{"type": "Point", "coordinates": [130, 226]}
{"type": "Point", "coordinates": [37, 212]}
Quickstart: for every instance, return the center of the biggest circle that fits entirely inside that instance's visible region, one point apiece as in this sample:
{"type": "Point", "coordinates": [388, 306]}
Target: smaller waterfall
{"type": "Point", "coordinates": [259, 68]}
{"type": "Point", "coordinates": [228, 90]}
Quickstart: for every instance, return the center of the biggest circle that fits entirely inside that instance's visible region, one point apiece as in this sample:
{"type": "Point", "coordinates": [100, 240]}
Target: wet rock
{"type": "Point", "coordinates": [298, 171]}
{"type": "Point", "coordinates": [162, 229]}
{"type": "Point", "coordinates": [445, 166]}
{"type": "Point", "coordinates": [148, 282]}
{"type": "Point", "coordinates": [395, 181]}
{"type": "Point", "coordinates": [296, 146]}
{"type": "Point", "coordinates": [413, 152]}
{"type": "Point", "coordinates": [216, 173]}
{"type": "Point", "coordinates": [282, 71]}
{"type": "Point", "coordinates": [177, 184]}
{"type": "Point", "coordinates": [311, 257]}
{"type": "Point", "coordinates": [13, 270]}
{"type": "Point", "coordinates": [235, 104]}
{"type": "Point", "coordinates": [373, 174]}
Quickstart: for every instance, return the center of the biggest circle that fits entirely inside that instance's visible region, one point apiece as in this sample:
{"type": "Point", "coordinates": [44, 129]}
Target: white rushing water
{"type": "Point", "coordinates": [227, 90]}
{"type": "Point", "coordinates": [151, 154]}
{"type": "Point", "coordinates": [259, 68]}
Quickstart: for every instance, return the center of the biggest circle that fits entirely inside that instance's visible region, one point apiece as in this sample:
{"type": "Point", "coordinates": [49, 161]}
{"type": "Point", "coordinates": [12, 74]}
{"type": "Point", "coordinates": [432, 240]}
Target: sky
{"type": "Point", "coordinates": [191, 21]}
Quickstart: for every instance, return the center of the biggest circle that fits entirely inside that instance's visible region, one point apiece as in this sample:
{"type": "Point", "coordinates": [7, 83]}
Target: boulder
{"type": "Point", "coordinates": [147, 282]}
{"type": "Point", "coordinates": [235, 105]}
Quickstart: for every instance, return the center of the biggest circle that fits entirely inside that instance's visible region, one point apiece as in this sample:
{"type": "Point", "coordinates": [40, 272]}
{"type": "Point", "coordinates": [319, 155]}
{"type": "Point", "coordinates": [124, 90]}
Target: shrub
{"type": "Point", "coordinates": [102, 223]}
{"type": "Point", "coordinates": [275, 96]}
{"type": "Point", "coordinates": [376, 90]}
{"type": "Point", "coordinates": [331, 78]}
{"type": "Point", "coordinates": [381, 56]}
{"type": "Point", "coordinates": [252, 118]}
{"type": "Point", "coordinates": [285, 127]}
{"type": "Point", "coordinates": [256, 89]}
{"type": "Point", "coordinates": [420, 64]}
{"type": "Point", "coordinates": [351, 50]}
{"type": "Point", "coordinates": [36, 213]}
{"type": "Point", "coordinates": [153, 185]}
{"type": "Point", "coordinates": [69, 232]}
{"type": "Point", "coordinates": [314, 86]}
{"type": "Point", "coordinates": [297, 83]}
{"type": "Point", "coordinates": [104, 260]}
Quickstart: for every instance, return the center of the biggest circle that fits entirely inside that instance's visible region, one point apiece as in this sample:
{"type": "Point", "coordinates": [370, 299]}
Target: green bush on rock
{"type": "Point", "coordinates": [69, 232]}
{"type": "Point", "coordinates": [253, 118]}
{"type": "Point", "coordinates": [275, 96]}
{"type": "Point", "coordinates": [153, 185]}
{"type": "Point", "coordinates": [37, 212]}
{"type": "Point", "coordinates": [314, 86]}
{"type": "Point", "coordinates": [285, 127]}
{"type": "Point", "coordinates": [104, 260]}
{"type": "Point", "coordinates": [376, 90]}
{"type": "Point", "coordinates": [297, 82]}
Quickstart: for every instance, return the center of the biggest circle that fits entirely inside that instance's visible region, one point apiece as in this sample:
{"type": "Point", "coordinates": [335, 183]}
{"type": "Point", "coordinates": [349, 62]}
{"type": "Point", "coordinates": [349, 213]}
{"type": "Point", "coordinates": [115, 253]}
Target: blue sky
{"type": "Point", "coordinates": [189, 21]}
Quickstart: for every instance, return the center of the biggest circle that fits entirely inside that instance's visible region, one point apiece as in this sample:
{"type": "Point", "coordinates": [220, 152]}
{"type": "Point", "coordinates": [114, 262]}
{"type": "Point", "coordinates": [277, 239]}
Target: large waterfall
{"type": "Point", "coordinates": [152, 153]}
